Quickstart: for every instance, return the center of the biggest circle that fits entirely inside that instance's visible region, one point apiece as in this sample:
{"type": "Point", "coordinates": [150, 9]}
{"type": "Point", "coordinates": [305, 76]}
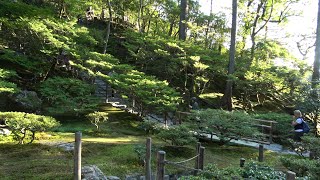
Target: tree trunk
{"type": "Point", "coordinates": [183, 19]}
{"type": "Point", "coordinates": [171, 28]}
{"type": "Point", "coordinates": [227, 98]}
{"type": "Point", "coordinates": [316, 63]}
{"type": "Point", "coordinates": [208, 27]}
{"type": "Point", "coordinates": [140, 16]}
{"type": "Point", "coordinates": [108, 28]}
{"type": "Point", "coordinates": [33, 137]}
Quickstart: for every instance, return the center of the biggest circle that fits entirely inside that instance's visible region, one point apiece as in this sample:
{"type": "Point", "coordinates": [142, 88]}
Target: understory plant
{"type": "Point", "coordinates": [303, 167]}
{"type": "Point", "coordinates": [96, 118]}
{"type": "Point", "coordinates": [149, 126]}
{"type": "Point", "coordinates": [178, 135]}
{"type": "Point", "coordinates": [252, 170]}
{"type": "Point", "coordinates": [25, 125]}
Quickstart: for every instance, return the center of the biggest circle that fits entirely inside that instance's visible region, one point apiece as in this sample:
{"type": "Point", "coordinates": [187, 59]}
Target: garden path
{"type": "Point", "coordinates": [272, 147]}
{"type": "Point", "coordinates": [119, 103]}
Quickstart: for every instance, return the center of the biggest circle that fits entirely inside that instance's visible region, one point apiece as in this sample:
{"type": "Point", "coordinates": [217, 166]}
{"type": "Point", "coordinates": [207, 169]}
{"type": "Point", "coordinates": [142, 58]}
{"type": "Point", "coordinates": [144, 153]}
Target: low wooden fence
{"type": "Point", "coordinates": [162, 162]}
{"type": "Point", "coordinates": [267, 127]}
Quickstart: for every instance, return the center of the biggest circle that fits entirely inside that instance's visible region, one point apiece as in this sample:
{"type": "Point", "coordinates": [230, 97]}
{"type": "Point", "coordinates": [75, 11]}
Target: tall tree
{"type": "Point", "coordinates": [208, 25]}
{"type": "Point", "coordinates": [183, 19]}
{"type": "Point", "coordinates": [316, 63]}
{"type": "Point", "coordinates": [108, 28]}
{"type": "Point", "coordinates": [140, 15]}
{"type": "Point", "coordinates": [227, 98]}
{"type": "Point", "coordinates": [260, 13]}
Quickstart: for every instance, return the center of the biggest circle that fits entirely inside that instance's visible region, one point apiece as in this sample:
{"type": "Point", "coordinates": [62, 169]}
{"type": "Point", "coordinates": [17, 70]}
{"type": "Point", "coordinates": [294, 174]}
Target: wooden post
{"type": "Point", "coordinates": [260, 153]}
{"type": "Point", "coordinates": [148, 159]}
{"type": "Point", "coordinates": [291, 175]}
{"type": "Point", "coordinates": [160, 165]}
{"type": "Point", "coordinates": [242, 161]}
{"type": "Point", "coordinates": [196, 166]}
{"type": "Point", "coordinates": [133, 103]}
{"type": "Point", "coordinates": [77, 156]}
{"type": "Point", "coordinates": [201, 158]}
{"type": "Point", "coordinates": [107, 92]}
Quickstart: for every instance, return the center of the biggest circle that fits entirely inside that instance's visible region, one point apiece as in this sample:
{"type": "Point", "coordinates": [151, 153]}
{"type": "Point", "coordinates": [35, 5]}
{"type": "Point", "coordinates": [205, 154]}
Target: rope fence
{"type": "Point", "coordinates": [162, 162]}
{"type": "Point", "coordinates": [181, 166]}
{"type": "Point", "coordinates": [184, 161]}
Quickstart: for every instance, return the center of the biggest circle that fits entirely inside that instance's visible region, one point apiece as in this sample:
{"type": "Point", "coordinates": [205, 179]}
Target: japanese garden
{"type": "Point", "coordinates": [159, 89]}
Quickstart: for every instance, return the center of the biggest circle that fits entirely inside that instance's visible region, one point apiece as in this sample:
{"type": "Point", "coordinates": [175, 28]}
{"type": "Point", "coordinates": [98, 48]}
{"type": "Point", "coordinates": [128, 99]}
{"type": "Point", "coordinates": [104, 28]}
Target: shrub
{"type": "Point", "coordinates": [258, 171]}
{"type": "Point", "coordinates": [140, 150]}
{"type": "Point", "coordinates": [21, 123]}
{"type": "Point", "coordinates": [177, 135]}
{"type": "Point", "coordinates": [97, 117]}
{"type": "Point", "coordinates": [312, 144]}
{"type": "Point", "coordinates": [67, 95]}
{"type": "Point", "coordinates": [302, 166]}
{"type": "Point", "coordinates": [226, 125]}
{"type": "Point", "coordinates": [308, 143]}
{"type": "Point", "coordinates": [211, 171]}
{"type": "Point", "coordinates": [150, 127]}
{"type": "Point", "coordinates": [281, 129]}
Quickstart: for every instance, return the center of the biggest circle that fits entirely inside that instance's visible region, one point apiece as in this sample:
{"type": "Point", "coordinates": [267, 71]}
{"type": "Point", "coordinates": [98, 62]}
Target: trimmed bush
{"type": "Point", "coordinates": [226, 125]}
{"type": "Point", "coordinates": [150, 127]}
{"type": "Point", "coordinates": [302, 166]}
{"type": "Point", "coordinates": [177, 135]}
{"type": "Point", "coordinates": [22, 124]}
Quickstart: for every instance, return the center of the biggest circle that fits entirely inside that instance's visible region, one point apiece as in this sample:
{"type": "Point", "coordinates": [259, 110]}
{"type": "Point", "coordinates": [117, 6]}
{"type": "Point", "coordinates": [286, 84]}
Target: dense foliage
{"type": "Point", "coordinates": [282, 128]}
{"type": "Point", "coordinates": [224, 124]}
{"type": "Point", "coordinates": [53, 38]}
{"type": "Point", "coordinates": [252, 170]}
{"type": "Point", "coordinates": [177, 135]}
{"type": "Point", "coordinates": [66, 95]}
{"type": "Point", "coordinates": [302, 166]}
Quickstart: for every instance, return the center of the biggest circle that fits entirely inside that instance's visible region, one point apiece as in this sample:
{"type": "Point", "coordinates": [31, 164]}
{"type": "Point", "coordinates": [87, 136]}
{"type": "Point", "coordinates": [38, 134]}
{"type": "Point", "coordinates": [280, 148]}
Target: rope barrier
{"type": "Point", "coordinates": [181, 166]}
{"type": "Point", "coordinates": [186, 160]}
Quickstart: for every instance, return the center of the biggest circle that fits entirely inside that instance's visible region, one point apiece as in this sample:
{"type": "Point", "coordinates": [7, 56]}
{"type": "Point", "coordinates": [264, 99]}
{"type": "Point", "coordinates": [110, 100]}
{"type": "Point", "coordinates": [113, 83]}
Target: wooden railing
{"type": "Point", "coordinates": [266, 126]}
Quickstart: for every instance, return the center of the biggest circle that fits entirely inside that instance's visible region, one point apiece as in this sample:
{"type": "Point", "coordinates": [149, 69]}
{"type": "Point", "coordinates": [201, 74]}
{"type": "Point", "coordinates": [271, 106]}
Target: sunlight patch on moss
{"type": "Point", "coordinates": [128, 139]}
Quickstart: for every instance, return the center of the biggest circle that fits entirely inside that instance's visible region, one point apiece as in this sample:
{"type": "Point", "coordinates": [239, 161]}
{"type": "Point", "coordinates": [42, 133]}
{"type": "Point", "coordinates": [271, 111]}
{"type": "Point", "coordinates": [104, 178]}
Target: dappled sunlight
{"type": "Point", "coordinates": [120, 140]}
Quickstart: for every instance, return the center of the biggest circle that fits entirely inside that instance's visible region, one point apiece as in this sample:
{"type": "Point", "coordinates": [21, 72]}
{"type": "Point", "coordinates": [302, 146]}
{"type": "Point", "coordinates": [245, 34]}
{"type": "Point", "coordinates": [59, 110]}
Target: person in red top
{"type": "Point", "coordinates": [297, 124]}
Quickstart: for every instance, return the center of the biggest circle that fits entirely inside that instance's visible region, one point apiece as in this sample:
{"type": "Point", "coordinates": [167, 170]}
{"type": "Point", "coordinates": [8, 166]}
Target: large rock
{"type": "Point", "coordinates": [66, 146]}
{"type": "Point", "coordinates": [113, 178]}
{"type": "Point", "coordinates": [92, 172]}
{"type": "Point", "coordinates": [4, 131]}
{"type": "Point", "coordinates": [28, 101]}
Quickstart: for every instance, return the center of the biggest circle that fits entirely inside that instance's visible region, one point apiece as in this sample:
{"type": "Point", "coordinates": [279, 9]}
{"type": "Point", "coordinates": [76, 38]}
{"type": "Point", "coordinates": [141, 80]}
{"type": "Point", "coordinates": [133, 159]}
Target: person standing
{"type": "Point", "coordinates": [297, 124]}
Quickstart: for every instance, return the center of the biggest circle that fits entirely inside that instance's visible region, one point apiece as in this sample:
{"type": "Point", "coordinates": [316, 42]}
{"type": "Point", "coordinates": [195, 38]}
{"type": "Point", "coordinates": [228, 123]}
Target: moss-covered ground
{"type": "Point", "coordinates": [112, 150]}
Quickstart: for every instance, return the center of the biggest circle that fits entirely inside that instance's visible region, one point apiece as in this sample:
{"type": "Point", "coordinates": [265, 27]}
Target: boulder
{"type": "Point", "coordinates": [113, 178]}
{"type": "Point", "coordinates": [66, 146]}
{"type": "Point", "coordinates": [4, 131]}
{"type": "Point", "coordinates": [28, 101]}
{"type": "Point", "coordinates": [92, 172]}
